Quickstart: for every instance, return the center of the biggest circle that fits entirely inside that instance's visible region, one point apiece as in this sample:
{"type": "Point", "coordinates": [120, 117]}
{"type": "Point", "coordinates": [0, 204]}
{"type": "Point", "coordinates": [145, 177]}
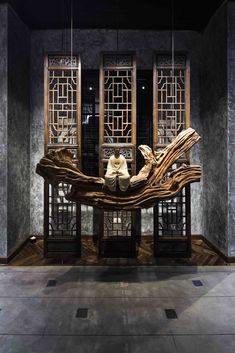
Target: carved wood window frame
{"type": "Point", "coordinates": [107, 65]}
{"type": "Point", "coordinates": [168, 65]}
{"type": "Point", "coordinates": [166, 240]}
{"type": "Point", "coordinates": [63, 62]}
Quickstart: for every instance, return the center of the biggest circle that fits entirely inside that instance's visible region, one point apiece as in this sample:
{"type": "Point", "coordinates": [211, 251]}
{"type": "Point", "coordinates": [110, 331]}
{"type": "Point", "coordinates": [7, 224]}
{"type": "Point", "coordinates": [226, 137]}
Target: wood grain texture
{"type": "Point", "coordinates": [202, 255]}
{"type": "Point", "coordinates": [57, 166]}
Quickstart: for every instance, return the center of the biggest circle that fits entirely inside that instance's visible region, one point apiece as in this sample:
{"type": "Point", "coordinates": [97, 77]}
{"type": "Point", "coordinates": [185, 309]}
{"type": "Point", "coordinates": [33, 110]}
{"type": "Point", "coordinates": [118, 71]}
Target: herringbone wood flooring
{"type": "Point", "coordinates": [32, 255]}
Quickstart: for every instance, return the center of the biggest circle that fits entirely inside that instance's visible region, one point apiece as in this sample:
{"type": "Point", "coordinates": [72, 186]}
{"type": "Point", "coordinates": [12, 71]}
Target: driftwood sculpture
{"type": "Point", "coordinates": [149, 186]}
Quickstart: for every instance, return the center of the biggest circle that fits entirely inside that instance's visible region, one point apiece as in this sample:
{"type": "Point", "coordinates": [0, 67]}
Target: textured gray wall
{"type": "Point", "coordinates": [214, 121]}
{"type": "Point", "coordinates": [3, 130]}
{"type": "Point", "coordinates": [90, 43]}
{"type": "Point", "coordinates": [18, 203]}
{"type": "Point", "coordinates": [231, 129]}
{"type": "Point", "coordinates": [14, 131]}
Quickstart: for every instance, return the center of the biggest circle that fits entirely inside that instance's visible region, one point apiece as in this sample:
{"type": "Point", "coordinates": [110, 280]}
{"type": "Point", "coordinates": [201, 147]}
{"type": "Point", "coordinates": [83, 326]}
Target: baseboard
{"type": "Point", "coordinates": [4, 260]}
{"type": "Point", "coordinates": [228, 259]}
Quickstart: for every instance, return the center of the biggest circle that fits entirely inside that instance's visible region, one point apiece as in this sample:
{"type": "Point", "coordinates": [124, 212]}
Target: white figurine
{"type": "Point", "coordinates": [117, 171]}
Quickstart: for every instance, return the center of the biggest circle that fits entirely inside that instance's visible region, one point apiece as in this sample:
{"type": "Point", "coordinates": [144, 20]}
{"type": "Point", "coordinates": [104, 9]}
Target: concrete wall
{"type": "Point", "coordinates": [214, 116]}
{"type": "Point", "coordinates": [231, 129]}
{"type": "Point", "coordinates": [90, 43]}
{"type": "Point", "coordinates": [14, 128]}
{"type": "Point", "coordinates": [3, 130]}
{"type": "Point", "coordinates": [18, 131]}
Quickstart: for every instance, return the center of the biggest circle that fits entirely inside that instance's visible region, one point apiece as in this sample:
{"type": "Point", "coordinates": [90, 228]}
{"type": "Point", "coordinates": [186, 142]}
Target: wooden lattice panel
{"type": "Point", "coordinates": [171, 101]}
{"type": "Point", "coordinates": [117, 106]}
{"type": "Point", "coordinates": [62, 129]}
{"type": "Point", "coordinates": [62, 107]}
{"type": "Point", "coordinates": [171, 214]}
{"type": "Point", "coordinates": [117, 127]}
{"type": "Point", "coordinates": [62, 213]}
{"type": "Point", "coordinates": [171, 109]}
{"type": "Point", "coordinates": [117, 223]}
{"type": "Point", "coordinates": [117, 100]}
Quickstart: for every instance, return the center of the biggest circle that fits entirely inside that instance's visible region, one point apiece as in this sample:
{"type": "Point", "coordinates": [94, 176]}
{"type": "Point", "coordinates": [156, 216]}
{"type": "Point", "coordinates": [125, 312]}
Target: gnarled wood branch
{"type": "Point", "coordinates": [148, 187]}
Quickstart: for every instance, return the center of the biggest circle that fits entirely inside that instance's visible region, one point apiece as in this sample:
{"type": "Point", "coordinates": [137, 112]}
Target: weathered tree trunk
{"type": "Point", "coordinates": [146, 189]}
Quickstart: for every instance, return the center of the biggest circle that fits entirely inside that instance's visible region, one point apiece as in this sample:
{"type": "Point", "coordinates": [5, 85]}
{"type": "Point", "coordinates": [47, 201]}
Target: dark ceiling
{"type": "Point", "coordinates": [122, 14]}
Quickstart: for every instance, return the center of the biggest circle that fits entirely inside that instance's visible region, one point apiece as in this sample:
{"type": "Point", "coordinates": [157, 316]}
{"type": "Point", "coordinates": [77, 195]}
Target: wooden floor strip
{"type": "Point", "coordinates": [33, 255]}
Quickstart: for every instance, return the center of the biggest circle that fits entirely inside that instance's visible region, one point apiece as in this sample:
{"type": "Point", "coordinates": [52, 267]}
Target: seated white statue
{"type": "Point", "coordinates": [117, 172]}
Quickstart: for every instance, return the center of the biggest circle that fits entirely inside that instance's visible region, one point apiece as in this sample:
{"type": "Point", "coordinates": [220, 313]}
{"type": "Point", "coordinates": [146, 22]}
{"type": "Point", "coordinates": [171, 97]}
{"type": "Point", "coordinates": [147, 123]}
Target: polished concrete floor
{"type": "Point", "coordinates": [117, 310]}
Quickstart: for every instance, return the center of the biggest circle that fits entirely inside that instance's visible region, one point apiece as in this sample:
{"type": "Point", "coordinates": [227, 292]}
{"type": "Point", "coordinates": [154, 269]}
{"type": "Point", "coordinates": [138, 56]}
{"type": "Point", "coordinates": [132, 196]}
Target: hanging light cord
{"type": "Point", "coordinates": [117, 23]}
{"type": "Point", "coordinates": [172, 37]}
{"type": "Point", "coordinates": [71, 33]}
{"type": "Point", "coordinates": [172, 45]}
